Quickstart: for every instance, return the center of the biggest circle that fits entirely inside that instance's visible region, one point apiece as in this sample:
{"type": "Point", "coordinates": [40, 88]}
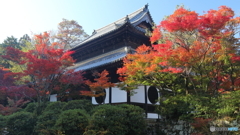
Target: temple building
{"type": "Point", "coordinates": [106, 48]}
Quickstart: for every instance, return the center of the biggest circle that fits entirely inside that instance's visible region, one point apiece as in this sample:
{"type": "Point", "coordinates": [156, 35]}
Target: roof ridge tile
{"type": "Point", "coordinates": [132, 18]}
{"type": "Point", "coordinates": [141, 9]}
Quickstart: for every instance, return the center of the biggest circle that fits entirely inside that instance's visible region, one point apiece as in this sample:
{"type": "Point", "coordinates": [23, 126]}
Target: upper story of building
{"type": "Point", "coordinates": [112, 42]}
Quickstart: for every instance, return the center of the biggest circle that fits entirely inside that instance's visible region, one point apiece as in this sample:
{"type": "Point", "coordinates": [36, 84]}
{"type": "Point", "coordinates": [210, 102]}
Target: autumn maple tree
{"type": "Point", "coordinates": [203, 47]}
{"type": "Point", "coordinates": [12, 107]}
{"type": "Point", "coordinates": [46, 67]}
{"type": "Point", "coordinates": [5, 83]}
{"type": "Point", "coordinates": [191, 54]}
{"type": "Point", "coordinates": [101, 81]}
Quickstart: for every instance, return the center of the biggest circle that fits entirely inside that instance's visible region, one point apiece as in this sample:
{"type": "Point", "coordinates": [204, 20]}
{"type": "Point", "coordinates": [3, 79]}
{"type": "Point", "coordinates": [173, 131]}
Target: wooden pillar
{"type": "Point", "coordinates": [110, 95]}
{"type": "Point", "coordinates": [146, 105]}
{"type": "Point", "coordinates": [128, 98]}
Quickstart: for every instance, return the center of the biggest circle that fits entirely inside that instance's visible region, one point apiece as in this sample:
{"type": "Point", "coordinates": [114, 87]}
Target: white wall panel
{"type": "Point", "coordinates": [107, 96]}
{"type": "Point", "coordinates": [153, 116]}
{"type": "Point", "coordinates": [118, 96]}
{"type": "Point", "coordinates": [139, 96]}
{"type": "Point", "coordinates": [53, 98]}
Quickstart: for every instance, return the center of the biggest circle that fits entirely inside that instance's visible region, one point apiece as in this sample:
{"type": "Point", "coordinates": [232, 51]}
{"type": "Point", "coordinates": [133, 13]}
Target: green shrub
{"type": "Point", "coordinates": [95, 132]}
{"type": "Point", "coordinates": [229, 105]}
{"type": "Point", "coordinates": [117, 120]}
{"type": "Point", "coordinates": [79, 104]}
{"type": "Point", "coordinates": [55, 106]}
{"type": "Point", "coordinates": [31, 107]}
{"type": "Point", "coordinates": [108, 119]}
{"type": "Point", "coordinates": [2, 123]}
{"type": "Point", "coordinates": [72, 122]}
{"type": "Point", "coordinates": [40, 108]}
{"type": "Point", "coordinates": [46, 122]}
{"type": "Point", "coordinates": [20, 123]}
{"type": "Point", "coordinates": [177, 107]}
{"type": "Point", "coordinates": [134, 120]}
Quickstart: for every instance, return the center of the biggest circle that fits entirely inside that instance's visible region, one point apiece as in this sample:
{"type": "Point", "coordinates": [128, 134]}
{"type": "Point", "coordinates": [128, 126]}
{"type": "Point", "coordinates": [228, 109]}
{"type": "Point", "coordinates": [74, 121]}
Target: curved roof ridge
{"type": "Point", "coordinates": [86, 40]}
{"type": "Point", "coordinates": [133, 18]}
{"type": "Point", "coordinates": [139, 18]}
{"type": "Point", "coordinates": [119, 20]}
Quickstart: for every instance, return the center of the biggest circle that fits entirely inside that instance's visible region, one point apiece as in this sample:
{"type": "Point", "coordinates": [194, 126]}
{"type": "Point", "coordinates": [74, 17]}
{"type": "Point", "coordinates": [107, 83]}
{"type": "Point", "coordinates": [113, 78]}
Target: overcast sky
{"type": "Point", "coordinates": [19, 17]}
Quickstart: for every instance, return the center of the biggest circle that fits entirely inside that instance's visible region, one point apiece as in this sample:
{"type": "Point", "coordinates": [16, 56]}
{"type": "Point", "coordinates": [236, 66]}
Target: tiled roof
{"type": "Point", "coordinates": [103, 59]}
{"type": "Point", "coordinates": [134, 18]}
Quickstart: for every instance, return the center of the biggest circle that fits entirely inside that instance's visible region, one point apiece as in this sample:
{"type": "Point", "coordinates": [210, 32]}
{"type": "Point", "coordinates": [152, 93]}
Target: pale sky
{"type": "Point", "coordinates": [19, 17]}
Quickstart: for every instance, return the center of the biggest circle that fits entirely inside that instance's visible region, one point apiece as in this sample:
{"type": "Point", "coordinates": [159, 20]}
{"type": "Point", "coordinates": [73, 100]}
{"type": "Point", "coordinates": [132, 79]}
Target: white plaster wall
{"type": "Point", "coordinates": [153, 116]}
{"type": "Point", "coordinates": [118, 96]}
{"type": "Point", "coordinates": [94, 101]}
{"type": "Point", "coordinates": [139, 96]}
{"type": "Point", "coordinates": [107, 96]}
{"type": "Point", "coordinates": [53, 98]}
